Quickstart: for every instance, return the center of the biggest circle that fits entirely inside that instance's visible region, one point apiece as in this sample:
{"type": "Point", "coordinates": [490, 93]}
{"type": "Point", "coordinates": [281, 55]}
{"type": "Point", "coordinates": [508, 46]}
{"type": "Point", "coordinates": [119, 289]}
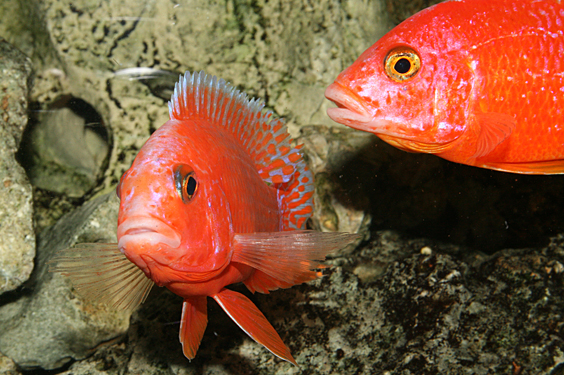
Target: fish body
{"type": "Point", "coordinates": [231, 198]}
{"type": "Point", "coordinates": [477, 82]}
{"type": "Point", "coordinates": [216, 196]}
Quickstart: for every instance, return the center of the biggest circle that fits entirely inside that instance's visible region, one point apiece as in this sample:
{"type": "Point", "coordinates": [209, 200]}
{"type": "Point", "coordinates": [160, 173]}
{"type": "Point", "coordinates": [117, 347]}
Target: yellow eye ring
{"type": "Point", "coordinates": [402, 63]}
{"type": "Point", "coordinates": [185, 182]}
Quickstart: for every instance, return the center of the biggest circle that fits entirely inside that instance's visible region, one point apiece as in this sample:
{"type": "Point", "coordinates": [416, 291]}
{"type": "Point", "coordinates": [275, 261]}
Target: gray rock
{"type": "Point", "coordinates": [17, 245]}
{"type": "Point", "coordinates": [51, 325]}
{"type": "Point", "coordinates": [67, 156]}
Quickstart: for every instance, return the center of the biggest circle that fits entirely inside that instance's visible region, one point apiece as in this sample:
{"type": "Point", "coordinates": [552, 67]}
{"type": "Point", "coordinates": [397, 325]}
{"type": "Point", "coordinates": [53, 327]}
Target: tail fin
{"type": "Point", "coordinates": [265, 139]}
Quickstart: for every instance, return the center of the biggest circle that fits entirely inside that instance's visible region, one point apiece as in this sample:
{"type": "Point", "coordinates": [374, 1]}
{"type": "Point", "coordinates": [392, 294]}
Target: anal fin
{"type": "Point", "coordinates": [193, 324]}
{"type": "Point", "coordinates": [533, 167]}
{"type": "Point", "coordinates": [253, 322]}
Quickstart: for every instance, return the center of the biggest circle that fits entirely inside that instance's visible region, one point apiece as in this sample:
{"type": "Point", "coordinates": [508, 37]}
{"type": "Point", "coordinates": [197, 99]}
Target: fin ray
{"type": "Point", "coordinates": [101, 273]}
{"type": "Point", "coordinates": [193, 324]}
{"type": "Point", "coordinates": [288, 257]}
{"type": "Point", "coordinates": [249, 318]}
{"type": "Point", "coordinates": [539, 167]}
{"type": "Point", "coordinates": [494, 129]}
{"type": "Point", "coordinates": [295, 198]}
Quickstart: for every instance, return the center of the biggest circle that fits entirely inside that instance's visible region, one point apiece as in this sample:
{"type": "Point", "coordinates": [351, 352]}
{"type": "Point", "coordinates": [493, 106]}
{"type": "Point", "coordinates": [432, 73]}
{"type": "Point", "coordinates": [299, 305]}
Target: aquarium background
{"type": "Point", "coordinates": [459, 270]}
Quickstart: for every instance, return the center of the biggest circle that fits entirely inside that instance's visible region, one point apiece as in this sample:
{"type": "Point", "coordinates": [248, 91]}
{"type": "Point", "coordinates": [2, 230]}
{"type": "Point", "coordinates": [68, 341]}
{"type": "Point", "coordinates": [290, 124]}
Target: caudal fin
{"type": "Point", "coordinates": [253, 322]}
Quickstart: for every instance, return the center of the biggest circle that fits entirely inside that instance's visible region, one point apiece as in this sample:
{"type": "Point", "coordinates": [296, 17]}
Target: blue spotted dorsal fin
{"type": "Point", "coordinates": [264, 138]}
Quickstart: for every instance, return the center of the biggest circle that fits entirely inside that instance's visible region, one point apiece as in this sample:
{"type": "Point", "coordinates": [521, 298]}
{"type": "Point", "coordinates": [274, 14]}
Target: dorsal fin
{"type": "Point", "coordinates": [264, 138]}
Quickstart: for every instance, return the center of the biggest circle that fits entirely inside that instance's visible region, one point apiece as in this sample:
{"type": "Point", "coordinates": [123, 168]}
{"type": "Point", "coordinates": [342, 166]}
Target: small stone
{"type": "Point", "coordinates": [368, 272]}
{"type": "Point", "coordinates": [426, 250]}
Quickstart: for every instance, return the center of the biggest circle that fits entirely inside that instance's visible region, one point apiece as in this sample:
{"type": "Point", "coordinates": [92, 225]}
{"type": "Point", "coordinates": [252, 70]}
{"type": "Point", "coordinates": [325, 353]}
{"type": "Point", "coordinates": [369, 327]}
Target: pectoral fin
{"type": "Point", "coordinates": [286, 258]}
{"type": "Point", "coordinates": [193, 324]}
{"type": "Point", "coordinates": [101, 273]}
{"type": "Point", "coordinates": [253, 322]}
{"type": "Point", "coordinates": [494, 129]}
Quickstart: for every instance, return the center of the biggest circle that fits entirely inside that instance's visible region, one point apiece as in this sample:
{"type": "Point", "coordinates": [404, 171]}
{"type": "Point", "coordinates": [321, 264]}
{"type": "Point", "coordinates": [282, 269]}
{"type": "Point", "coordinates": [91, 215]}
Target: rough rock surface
{"type": "Point", "coordinates": [49, 325]}
{"type": "Point", "coordinates": [328, 150]}
{"type": "Point", "coordinates": [396, 307]}
{"type": "Point", "coordinates": [7, 366]}
{"type": "Point", "coordinates": [17, 238]}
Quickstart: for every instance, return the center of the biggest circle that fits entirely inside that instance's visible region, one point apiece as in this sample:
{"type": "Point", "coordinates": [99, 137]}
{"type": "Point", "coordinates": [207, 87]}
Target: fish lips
{"type": "Point", "coordinates": [350, 111]}
{"type": "Point", "coordinates": [147, 231]}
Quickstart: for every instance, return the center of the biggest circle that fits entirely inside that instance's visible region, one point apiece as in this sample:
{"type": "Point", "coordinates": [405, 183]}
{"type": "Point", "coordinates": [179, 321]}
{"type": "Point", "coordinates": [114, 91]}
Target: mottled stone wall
{"type": "Point", "coordinates": [286, 52]}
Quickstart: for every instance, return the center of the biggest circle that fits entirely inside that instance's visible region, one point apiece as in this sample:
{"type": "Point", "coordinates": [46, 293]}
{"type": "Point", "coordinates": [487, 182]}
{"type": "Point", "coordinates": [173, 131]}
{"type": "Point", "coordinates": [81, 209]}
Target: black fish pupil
{"type": "Point", "coordinates": [191, 186]}
{"type": "Point", "coordinates": [402, 66]}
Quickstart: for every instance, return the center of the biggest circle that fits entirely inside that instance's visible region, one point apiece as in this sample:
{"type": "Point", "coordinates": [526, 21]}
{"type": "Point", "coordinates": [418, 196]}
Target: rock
{"type": "Point", "coordinates": [338, 205]}
{"type": "Point", "coordinates": [466, 313]}
{"type": "Point", "coordinates": [17, 247]}
{"type": "Point", "coordinates": [63, 153]}
{"type": "Point", "coordinates": [50, 325]}
{"type": "Point", "coordinates": [7, 366]}
{"type": "Point", "coordinates": [13, 27]}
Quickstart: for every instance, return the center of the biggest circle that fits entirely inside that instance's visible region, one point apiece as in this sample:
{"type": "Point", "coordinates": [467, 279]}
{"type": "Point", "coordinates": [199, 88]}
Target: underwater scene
{"type": "Point", "coordinates": [281, 187]}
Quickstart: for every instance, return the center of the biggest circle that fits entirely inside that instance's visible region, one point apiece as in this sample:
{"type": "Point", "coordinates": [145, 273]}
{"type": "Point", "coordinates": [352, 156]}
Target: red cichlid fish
{"type": "Point", "coordinates": [478, 82]}
{"type": "Point", "coordinates": [216, 196]}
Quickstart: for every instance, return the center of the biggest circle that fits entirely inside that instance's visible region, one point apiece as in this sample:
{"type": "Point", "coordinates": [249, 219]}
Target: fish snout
{"type": "Point", "coordinates": [350, 110]}
{"type": "Point", "coordinates": [139, 231]}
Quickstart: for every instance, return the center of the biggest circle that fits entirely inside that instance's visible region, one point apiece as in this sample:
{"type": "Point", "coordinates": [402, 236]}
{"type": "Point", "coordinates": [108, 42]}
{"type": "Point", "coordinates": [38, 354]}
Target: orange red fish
{"type": "Point", "coordinates": [477, 82]}
{"type": "Point", "coordinates": [216, 196]}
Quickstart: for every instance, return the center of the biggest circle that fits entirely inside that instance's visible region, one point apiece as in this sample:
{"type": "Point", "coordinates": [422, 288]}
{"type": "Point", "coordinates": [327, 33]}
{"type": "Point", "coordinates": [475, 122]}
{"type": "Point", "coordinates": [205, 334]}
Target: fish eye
{"type": "Point", "coordinates": [402, 63]}
{"type": "Point", "coordinates": [118, 187]}
{"type": "Point", "coordinates": [185, 182]}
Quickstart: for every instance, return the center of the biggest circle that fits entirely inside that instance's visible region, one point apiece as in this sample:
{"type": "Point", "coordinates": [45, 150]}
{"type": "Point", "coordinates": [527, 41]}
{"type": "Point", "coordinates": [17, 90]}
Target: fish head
{"type": "Point", "coordinates": [167, 225]}
{"type": "Point", "coordinates": [406, 90]}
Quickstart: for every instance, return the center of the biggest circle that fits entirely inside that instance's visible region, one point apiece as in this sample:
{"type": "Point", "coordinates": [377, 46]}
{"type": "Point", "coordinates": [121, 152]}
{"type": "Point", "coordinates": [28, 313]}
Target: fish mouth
{"type": "Point", "coordinates": [350, 110]}
{"type": "Point", "coordinates": [146, 230]}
